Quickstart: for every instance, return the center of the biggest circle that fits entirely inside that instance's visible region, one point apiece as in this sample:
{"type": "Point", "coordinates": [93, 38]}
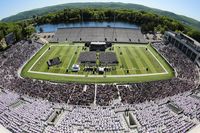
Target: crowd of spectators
{"type": "Point", "coordinates": [105, 94]}
{"type": "Point", "coordinates": [82, 95]}
{"type": "Point", "coordinates": [87, 57]}
{"type": "Point", "coordinates": [32, 115]}
{"type": "Point", "coordinates": [156, 117]}
{"type": "Point", "coordinates": [42, 97]}
{"type": "Point", "coordinates": [72, 93]}
{"type": "Point", "coordinates": [92, 120]}
{"type": "Point", "coordinates": [108, 58]}
{"type": "Point", "coordinates": [184, 67]}
{"type": "Point", "coordinates": [186, 79]}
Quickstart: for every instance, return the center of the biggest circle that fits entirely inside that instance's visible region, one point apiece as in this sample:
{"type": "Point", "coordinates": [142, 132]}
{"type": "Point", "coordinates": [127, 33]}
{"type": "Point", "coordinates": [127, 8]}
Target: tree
{"type": "Point", "coordinates": [147, 21]}
{"type": "Point", "coordinates": [3, 44]}
{"type": "Point", "coordinates": [28, 31]}
{"type": "Point", "coordinates": [1, 35]}
{"type": "Point", "coordinates": [194, 34]}
{"type": "Point", "coordinates": [17, 30]}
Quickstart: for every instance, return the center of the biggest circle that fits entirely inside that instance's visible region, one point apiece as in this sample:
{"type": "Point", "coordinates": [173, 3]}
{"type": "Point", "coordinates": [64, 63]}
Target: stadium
{"type": "Point", "coordinates": [100, 79]}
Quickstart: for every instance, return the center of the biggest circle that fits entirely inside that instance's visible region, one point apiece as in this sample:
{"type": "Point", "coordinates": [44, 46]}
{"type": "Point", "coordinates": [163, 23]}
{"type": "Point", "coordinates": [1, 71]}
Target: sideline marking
{"type": "Point", "coordinates": [94, 76]}
{"type": "Point", "coordinates": [158, 62]}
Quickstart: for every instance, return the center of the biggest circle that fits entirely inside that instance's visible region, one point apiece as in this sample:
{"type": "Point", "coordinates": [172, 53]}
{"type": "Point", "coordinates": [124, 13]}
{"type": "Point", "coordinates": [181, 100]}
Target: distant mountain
{"type": "Point", "coordinates": [42, 11]}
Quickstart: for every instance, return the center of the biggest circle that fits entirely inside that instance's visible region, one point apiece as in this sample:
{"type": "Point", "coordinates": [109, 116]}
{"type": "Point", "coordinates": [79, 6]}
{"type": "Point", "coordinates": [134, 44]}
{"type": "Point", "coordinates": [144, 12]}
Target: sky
{"type": "Point", "coordinates": [190, 8]}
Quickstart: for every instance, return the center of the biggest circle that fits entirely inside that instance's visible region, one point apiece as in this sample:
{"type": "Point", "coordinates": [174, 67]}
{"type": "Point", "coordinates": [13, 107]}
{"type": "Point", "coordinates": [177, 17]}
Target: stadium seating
{"type": "Point", "coordinates": [92, 34]}
{"type": "Point", "coordinates": [90, 107]}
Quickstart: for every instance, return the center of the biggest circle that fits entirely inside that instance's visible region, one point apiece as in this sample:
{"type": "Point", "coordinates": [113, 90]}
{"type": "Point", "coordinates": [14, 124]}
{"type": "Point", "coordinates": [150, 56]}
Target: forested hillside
{"type": "Point", "coordinates": [148, 21]}
{"type": "Point", "coordinates": [43, 11]}
{"type": "Point", "coordinates": [22, 30]}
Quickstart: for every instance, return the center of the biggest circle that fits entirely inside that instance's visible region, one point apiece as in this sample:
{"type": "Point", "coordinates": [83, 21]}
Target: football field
{"type": "Point", "coordinates": [137, 63]}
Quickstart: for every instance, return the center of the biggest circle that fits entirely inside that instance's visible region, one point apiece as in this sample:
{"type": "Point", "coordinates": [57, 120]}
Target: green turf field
{"type": "Point", "coordinates": [134, 58]}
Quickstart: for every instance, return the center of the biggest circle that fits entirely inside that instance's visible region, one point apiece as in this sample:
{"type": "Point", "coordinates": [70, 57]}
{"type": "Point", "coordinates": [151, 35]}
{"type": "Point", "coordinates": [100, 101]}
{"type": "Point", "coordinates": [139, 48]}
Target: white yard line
{"type": "Point", "coordinates": [134, 75]}
{"type": "Point", "coordinates": [21, 68]}
{"type": "Point", "coordinates": [64, 45]}
{"type": "Point", "coordinates": [71, 59]}
{"type": "Point", "coordinates": [37, 60]}
{"type": "Point", "coordinates": [95, 76]}
{"type": "Point", "coordinates": [57, 74]}
{"type": "Point", "coordinates": [158, 61]}
{"type": "Point", "coordinates": [137, 45]}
